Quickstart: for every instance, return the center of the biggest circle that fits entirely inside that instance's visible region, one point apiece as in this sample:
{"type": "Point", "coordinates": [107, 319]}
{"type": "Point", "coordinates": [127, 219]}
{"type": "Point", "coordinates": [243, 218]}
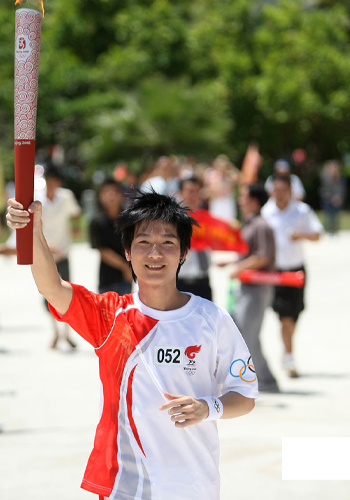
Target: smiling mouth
{"type": "Point", "coordinates": [154, 267]}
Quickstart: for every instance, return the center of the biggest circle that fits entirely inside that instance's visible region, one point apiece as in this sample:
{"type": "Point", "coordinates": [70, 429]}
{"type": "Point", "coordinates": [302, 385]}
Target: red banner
{"type": "Point", "coordinates": [216, 234]}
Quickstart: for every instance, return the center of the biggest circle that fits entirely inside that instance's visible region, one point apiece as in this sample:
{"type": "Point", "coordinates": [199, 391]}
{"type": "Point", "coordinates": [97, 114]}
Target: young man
{"type": "Point", "coordinates": [170, 363]}
{"type": "Point", "coordinates": [115, 274]}
{"type": "Point", "coordinates": [292, 222]}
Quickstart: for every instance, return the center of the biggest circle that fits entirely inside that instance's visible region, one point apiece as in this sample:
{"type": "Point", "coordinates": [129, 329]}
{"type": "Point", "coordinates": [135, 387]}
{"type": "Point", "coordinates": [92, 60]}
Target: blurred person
{"type": "Point", "coordinates": [162, 179]}
{"type": "Point", "coordinates": [332, 193]}
{"type": "Point", "coordinates": [114, 272]}
{"type": "Point", "coordinates": [194, 273]}
{"type": "Point", "coordinates": [129, 188]}
{"type": "Point", "coordinates": [3, 197]}
{"type": "Point", "coordinates": [10, 189]}
{"type": "Point", "coordinates": [174, 179]}
{"type": "Point", "coordinates": [282, 169]}
{"type": "Point", "coordinates": [151, 443]}
{"type": "Point", "coordinates": [220, 181]}
{"type": "Point", "coordinates": [60, 217]}
{"type": "Point", "coordinates": [186, 171]}
{"type": "Point", "coordinates": [292, 222]}
{"type": "Point", "coordinates": [254, 299]}
{"type": "Point", "coordinates": [199, 171]}
{"type": "Point", "coordinates": [251, 164]}
{"type": "Point", "coordinates": [60, 212]}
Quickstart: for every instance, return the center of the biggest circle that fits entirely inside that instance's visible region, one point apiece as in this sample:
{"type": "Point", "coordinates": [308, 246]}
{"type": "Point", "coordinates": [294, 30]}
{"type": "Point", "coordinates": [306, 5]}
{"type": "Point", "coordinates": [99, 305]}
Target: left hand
{"type": "Point", "coordinates": [7, 251]}
{"type": "Point", "coordinates": [234, 224]}
{"type": "Point", "coordinates": [185, 410]}
{"type": "Point", "coordinates": [296, 235]}
{"type": "Point", "coordinates": [234, 272]}
{"type": "Point", "coordinates": [222, 264]}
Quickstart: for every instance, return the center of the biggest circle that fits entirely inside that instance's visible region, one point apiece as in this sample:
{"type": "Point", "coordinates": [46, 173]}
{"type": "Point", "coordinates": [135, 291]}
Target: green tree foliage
{"type": "Point", "coordinates": [303, 82]}
{"type": "Point", "coordinates": [133, 79]}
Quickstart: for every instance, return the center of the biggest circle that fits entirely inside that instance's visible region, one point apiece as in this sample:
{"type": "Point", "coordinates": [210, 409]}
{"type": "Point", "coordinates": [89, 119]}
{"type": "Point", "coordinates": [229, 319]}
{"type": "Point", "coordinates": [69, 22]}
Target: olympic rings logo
{"type": "Point", "coordinates": [216, 404]}
{"type": "Point", "coordinates": [242, 369]}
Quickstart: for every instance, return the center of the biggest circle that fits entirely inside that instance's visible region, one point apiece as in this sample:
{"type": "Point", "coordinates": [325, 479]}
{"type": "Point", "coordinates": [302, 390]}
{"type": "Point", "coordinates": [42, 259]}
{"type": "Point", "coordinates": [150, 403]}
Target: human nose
{"type": "Point", "coordinates": [155, 251]}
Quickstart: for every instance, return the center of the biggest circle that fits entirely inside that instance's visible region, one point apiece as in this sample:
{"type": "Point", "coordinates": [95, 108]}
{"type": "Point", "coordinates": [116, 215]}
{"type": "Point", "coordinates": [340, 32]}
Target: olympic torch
{"type": "Point", "coordinates": [27, 50]}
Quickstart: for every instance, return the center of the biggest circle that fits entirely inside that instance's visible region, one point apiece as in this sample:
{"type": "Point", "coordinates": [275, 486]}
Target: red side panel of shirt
{"type": "Point", "coordinates": [115, 336]}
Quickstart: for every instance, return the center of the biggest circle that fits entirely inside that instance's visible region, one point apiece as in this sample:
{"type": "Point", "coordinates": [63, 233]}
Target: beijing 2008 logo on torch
{"type": "Point", "coordinates": [23, 48]}
{"type": "Point", "coordinates": [190, 353]}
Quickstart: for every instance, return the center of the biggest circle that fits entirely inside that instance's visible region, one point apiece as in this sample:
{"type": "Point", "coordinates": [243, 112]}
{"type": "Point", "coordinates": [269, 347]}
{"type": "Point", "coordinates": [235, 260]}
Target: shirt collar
{"type": "Point", "coordinates": [275, 207]}
{"type": "Point", "coordinates": [248, 218]}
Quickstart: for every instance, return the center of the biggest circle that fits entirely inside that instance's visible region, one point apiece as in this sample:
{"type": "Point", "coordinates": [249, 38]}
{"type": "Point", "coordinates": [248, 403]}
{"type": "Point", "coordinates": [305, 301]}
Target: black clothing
{"type": "Point", "coordinates": [103, 235]}
{"type": "Point", "coordinates": [289, 301]}
{"type": "Point", "coordinates": [199, 286]}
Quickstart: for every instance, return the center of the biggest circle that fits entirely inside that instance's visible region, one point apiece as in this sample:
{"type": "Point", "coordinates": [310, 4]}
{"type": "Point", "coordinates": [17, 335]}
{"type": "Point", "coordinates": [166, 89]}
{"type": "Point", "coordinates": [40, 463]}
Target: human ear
{"type": "Point", "coordinates": [183, 258]}
{"type": "Point", "coordinates": [127, 256]}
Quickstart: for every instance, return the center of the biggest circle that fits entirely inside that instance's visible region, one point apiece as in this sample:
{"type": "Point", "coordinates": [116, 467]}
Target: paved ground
{"type": "Point", "coordinates": [49, 399]}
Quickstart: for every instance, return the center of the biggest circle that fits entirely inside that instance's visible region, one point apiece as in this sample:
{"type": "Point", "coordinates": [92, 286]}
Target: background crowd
{"type": "Point", "coordinates": [272, 216]}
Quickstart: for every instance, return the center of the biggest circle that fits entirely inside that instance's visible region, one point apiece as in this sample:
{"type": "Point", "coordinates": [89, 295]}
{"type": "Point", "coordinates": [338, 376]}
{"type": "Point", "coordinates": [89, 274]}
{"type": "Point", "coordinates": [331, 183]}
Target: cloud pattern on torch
{"type": "Point", "coordinates": [27, 52]}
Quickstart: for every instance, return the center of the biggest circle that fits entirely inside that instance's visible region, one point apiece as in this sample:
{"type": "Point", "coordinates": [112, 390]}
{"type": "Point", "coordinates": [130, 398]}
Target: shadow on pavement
{"type": "Point", "coordinates": [22, 328]}
{"type": "Point", "coordinates": [325, 375]}
{"type": "Point", "coordinates": [301, 393]}
{"type": "Point", "coordinates": [8, 393]}
{"type": "Point", "coordinates": [41, 430]}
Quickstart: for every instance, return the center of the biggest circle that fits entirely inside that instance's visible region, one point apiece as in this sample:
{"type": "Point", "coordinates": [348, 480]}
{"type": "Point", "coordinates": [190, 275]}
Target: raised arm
{"type": "Point", "coordinates": [56, 291]}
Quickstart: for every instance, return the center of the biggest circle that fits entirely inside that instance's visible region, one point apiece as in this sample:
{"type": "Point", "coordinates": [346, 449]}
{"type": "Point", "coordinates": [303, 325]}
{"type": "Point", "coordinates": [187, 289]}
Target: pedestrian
{"type": "Point", "coordinates": [114, 272]}
{"type": "Point", "coordinates": [282, 169]}
{"type": "Point", "coordinates": [170, 363]}
{"type": "Point", "coordinates": [60, 218]}
{"type": "Point", "coordinates": [194, 273]}
{"type": "Point", "coordinates": [129, 187]}
{"type": "Point", "coordinates": [60, 212]}
{"type": "Point", "coordinates": [332, 193]}
{"type": "Point", "coordinates": [254, 299]}
{"type": "Point", "coordinates": [221, 181]}
{"type": "Point", "coordinates": [292, 222]}
{"type": "Point", "coordinates": [161, 179]}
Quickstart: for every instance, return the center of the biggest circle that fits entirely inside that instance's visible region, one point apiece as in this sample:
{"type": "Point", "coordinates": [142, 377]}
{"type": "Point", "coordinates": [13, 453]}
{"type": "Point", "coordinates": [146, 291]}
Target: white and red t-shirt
{"type": "Point", "coordinates": [196, 351]}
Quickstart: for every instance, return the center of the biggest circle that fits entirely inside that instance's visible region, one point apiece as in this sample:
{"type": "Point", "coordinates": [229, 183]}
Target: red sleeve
{"type": "Point", "coordinates": [90, 314]}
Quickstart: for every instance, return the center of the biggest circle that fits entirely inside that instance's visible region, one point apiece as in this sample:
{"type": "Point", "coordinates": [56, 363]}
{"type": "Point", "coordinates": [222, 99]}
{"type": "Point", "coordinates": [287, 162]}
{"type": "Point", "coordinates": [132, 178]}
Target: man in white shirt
{"type": "Point", "coordinates": [292, 222]}
{"type": "Point", "coordinates": [59, 207]}
{"type": "Point", "coordinates": [282, 168]}
{"type": "Point", "coordinates": [162, 179]}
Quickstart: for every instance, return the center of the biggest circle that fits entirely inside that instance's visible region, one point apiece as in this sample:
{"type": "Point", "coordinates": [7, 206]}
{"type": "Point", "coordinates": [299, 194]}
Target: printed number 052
{"type": "Point", "coordinates": [168, 355]}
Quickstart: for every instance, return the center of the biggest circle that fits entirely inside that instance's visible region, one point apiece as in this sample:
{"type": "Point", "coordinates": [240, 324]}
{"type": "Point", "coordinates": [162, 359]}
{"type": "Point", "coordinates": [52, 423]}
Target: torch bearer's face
{"type": "Point", "coordinates": [35, 4]}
